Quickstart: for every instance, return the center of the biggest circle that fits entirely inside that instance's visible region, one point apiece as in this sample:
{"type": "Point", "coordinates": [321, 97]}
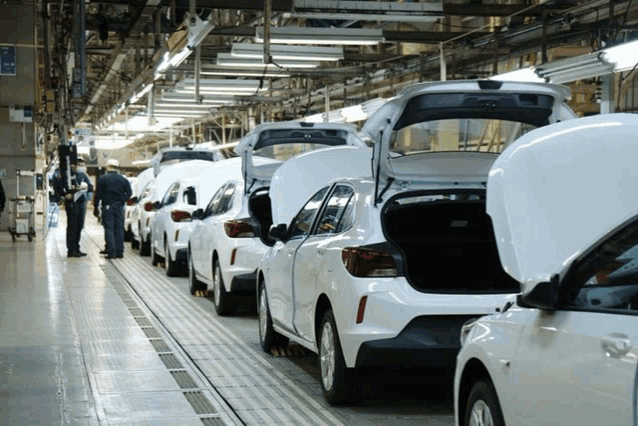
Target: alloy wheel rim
{"type": "Point", "coordinates": [481, 414]}
{"type": "Point", "coordinates": [217, 283]}
{"type": "Point", "coordinates": [327, 356]}
{"type": "Point", "coordinates": [263, 315]}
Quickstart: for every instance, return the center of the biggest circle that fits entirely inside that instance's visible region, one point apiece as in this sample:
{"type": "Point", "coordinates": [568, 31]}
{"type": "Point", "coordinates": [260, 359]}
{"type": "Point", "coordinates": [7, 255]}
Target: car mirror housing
{"type": "Point", "coordinates": [543, 296]}
{"type": "Point", "coordinates": [278, 232]}
{"type": "Point", "coordinates": [157, 205]}
{"type": "Point", "coordinates": [198, 214]}
{"type": "Point", "coordinates": [134, 200]}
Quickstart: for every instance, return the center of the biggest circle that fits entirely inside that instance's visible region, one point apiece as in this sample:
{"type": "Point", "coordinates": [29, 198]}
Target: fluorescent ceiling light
{"type": "Point", "coordinates": [347, 36]}
{"type": "Point", "coordinates": [197, 31]}
{"type": "Point", "coordinates": [182, 104]}
{"type": "Point", "coordinates": [137, 96]}
{"type": "Point", "coordinates": [247, 73]}
{"type": "Point", "coordinates": [205, 91]}
{"type": "Point", "coordinates": [226, 59]}
{"type": "Point", "coordinates": [522, 75]}
{"type": "Point", "coordinates": [371, 11]}
{"type": "Point", "coordinates": [353, 114]}
{"type": "Point", "coordinates": [577, 68]}
{"type": "Point", "coordinates": [624, 56]}
{"type": "Point", "coordinates": [305, 53]}
{"type": "Point", "coordinates": [178, 97]}
{"type": "Point", "coordinates": [228, 85]}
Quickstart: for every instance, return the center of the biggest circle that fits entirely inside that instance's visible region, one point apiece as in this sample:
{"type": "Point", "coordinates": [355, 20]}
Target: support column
{"type": "Point", "coordinates": [607, 95]}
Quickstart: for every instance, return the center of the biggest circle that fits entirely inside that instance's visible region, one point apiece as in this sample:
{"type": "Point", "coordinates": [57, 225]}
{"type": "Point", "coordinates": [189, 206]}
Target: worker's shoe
{"type": "Point", "coordinates": [103, 251]}
{"type": "Point", "coordinates": [108, 256]}
{"type": "Point", "coordinates": [81, 254]}
{"type": "Point", "coordinates": [74, 254]}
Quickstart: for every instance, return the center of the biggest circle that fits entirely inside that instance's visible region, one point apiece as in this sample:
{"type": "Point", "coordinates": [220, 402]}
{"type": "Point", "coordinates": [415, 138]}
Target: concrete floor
{"type": "Point", "coordinates": [96, 341]}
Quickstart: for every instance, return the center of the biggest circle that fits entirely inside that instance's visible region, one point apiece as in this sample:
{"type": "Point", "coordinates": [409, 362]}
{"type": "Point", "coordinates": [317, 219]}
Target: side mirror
{"type": "Point", "coordinates": [135, 200]}
{"type": "Point", "coordinates": [278, 232]}
{"type": "Point", "coordinates": [543, 296]}
{"type": "Point", "coordinates": [157, 205]}
{"type": "Point", "coordinates": [198, 214]}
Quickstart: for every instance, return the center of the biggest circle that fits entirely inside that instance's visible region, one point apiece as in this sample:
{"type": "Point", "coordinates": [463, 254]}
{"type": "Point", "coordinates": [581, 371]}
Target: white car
{"type": "Point", "coordinates": [565, 213]}
{"type": "Point", "coordinates": [383, 268]}
{"type": "Point", "coordinates": [233, 235]}
{"type": "Point", "coordinates": [174, 155]}
{"type": "Point", "coordinates": [172, 224]}
{"type": "Point", "coordinates": [154, 190]}
{"type": "Point", "coordinates": [128, 210]}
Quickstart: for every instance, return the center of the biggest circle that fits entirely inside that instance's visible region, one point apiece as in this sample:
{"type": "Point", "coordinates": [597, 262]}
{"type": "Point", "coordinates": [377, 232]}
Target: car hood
{"type": "Point", "coordinates": [286, 133]}
{"type": "Point", "coordinates": [560, 188]}
{"type": "Point", "coordinates": [534, 103]}
{"type": "Point", "coordinates": [302, 176]}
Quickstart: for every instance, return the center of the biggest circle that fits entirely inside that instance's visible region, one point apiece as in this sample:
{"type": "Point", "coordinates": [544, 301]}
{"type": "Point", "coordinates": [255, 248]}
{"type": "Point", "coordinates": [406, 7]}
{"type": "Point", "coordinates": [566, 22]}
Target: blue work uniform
{"type": "Point", "coordinates": [75, 209]}
{"type": "Point", "coordinates": [113, 190]}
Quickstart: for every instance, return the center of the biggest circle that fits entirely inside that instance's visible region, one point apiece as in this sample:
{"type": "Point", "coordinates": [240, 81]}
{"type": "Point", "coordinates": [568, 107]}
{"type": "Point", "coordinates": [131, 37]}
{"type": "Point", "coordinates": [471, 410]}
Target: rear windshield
{"type": "Point", "coordinates": [283, 144]}
{"type": "Point", "coordinates": [457, 134]}
{"type": "Point", "coordinates": [174, 157]}
{"type": "Point", "coordinates": [448, 243]}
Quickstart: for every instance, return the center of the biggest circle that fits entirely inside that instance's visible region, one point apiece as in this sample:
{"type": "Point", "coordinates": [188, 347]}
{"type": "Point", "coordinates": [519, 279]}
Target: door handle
{"type": "Point", "coordinates": [321, 251]}
{"type": "Point", "coordinates": [616, 345]}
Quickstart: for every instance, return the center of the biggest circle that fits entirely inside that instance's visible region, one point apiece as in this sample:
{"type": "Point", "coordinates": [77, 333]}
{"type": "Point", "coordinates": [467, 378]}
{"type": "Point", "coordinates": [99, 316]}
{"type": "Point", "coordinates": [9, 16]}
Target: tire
{"type": "Point", "coordinates": [337, 381]}
{"type": "Point", "coordinates": [145, 246]}
{"type": "Point", "coordinates": [194, 284]}
{"type": "Point", "coordinates": [268, 337]}
{"type": "Point", "coordinates": [154, 257]}
{"type": "Point", "coordinates": [134, 243]}
{"type": "Point", "coordinates": [483, 408]}
{"type": "Point", "coordinates": [170, 265]}
{"type": "Point", "coordinates": [128, 235]}
{"type": "Point", "coordinates": [223, 301]}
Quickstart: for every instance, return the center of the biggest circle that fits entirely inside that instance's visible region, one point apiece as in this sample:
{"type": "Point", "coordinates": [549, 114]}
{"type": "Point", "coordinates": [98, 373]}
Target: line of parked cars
{"type": "Point", "coordinates": [486, 230]}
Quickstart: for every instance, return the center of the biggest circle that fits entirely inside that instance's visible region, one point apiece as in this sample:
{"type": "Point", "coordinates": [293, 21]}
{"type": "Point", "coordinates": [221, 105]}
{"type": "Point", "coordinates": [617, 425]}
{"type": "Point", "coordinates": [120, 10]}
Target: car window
{"type": "Point", "coordinates": [190, 196]}
{"type": "Point", "coordinates": [147, 191]}
{"type": "Point", "coordinates": [607, 278]}
{"type": "Point", "coordinates": [334, 210]}
{"type": "Point", "coordinates": [214, 202]}
{"type": "Point", "coordinates": [303, 221]}
{"type": "Point", "coordinates": [171, 195]}
{"type": "Point", "coordinates": [347, 217]}
{"type": "Point", "coordinates": [226, 202]}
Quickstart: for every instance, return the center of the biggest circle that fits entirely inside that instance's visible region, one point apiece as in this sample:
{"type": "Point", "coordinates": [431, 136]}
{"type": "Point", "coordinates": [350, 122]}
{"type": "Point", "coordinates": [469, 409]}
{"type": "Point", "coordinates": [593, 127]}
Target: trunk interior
{"type": "Point", "coordinates": [259, 209]}
{"type": "Point", "coordinates": [448, 246]}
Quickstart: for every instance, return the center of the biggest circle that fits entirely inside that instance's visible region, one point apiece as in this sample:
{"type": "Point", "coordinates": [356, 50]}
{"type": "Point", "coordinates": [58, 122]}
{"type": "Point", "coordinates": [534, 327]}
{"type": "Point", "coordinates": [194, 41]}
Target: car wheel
{"type": "Point", "coordinates": [145, 246]}
{"type": "Point", "coordinates": [194, 284]}
{"type": "Point", "coordinates": [221, 298]}
{"type": "Point", "coordinates": [169, 263]}
{"type": "Point", "coordinates": [483, 408]}
{"type": "Point", "coordinates": [154, 256]}
{"type": "Point", "coordinates": [267, 334]}
{"type": "Point", "coordinates": [134, 243]}
{"type": "Point", "coordinates": [128, 235]}
{"type": "Point", "coordinates": [337, 381]}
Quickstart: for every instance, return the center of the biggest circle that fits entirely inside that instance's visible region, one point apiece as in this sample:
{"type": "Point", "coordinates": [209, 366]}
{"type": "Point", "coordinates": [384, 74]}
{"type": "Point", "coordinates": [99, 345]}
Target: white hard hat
{"type": "Point", "coordinates": [113, 163]}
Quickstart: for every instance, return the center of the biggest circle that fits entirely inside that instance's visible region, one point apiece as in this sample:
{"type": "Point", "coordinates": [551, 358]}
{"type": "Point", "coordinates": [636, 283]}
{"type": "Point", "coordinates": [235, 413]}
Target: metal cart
{"type": "Point", "coordinates": [22, 212]}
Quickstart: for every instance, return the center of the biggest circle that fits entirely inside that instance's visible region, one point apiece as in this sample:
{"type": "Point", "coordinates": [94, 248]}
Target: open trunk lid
{"type": "Point", "coordinates": [469, 116]}
{"type": "Point", "coordinates": [281, 141]}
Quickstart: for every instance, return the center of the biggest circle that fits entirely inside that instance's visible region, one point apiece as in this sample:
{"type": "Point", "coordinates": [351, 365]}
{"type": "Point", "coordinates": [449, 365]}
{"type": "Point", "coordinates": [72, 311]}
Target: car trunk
{"type": "Point", "coordinates": [448, 244]}
{"type": "Point", "coordinates": [259, 209]}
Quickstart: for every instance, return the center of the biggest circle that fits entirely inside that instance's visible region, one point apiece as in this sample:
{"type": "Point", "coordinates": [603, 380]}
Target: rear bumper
{"type": "Point", "coordinates": [244, 282]}
{"type": "Point", "coordinates": [432, 341]}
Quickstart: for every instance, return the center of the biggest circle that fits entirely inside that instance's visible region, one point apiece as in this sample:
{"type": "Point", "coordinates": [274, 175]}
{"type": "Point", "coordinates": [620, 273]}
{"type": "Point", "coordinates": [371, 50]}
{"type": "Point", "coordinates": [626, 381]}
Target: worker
{"type": "Point", "coordinates": [113, 191]}
{"type": "Point", "coordinates": [74, 199]}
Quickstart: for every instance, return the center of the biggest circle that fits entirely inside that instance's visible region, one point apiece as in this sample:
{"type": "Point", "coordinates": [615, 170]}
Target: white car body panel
{"type": "Point", "coordinates": [300, 177]}
{"type": "Point", "coordinates": [554, 366]}
{"type": "Point", "coordinates": [539, 235]}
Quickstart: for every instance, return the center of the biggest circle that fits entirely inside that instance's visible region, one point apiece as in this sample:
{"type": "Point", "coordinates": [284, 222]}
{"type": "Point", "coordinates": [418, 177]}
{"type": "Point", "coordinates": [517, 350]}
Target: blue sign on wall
{"type": "Point", "coordinates": [7, 60]}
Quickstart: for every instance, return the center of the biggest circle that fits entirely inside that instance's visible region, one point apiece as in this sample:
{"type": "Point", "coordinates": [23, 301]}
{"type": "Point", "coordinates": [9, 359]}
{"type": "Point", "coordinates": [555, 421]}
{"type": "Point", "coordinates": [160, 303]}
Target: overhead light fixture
{"type": "Point", "coordinates": [138, 95]}
{"type": "Point", "coordinates": [624, 56]}
{"type": "Point", "coordinates": [178, 97]}
{"type": "Point", "coordinates": [345, 36]}
{"type": "Point", "coordinates": [247, 73]}
{"type": "Point", "coordinates": [226, 59]}
{"type": "Point", "coordinates": [577, 68]}
{"type": "Point", "coordinates": [182, 105]}
{"type": "Point", "coordinates": [224, 85]}
{"type": "Point", "coordinates": [522, 75]}
{"type": "Point", "coordinates": [198, 30]}
{"type": "Point", "coordinates": [284, 52]}
{"type": "Point", "coordinates": [368, 11]}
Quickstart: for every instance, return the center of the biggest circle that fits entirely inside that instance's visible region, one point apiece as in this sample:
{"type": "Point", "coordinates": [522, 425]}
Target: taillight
{"type": "Point", "coordinates": [129, 202]}
{"type": "Point", "coordinates": [180, 215]}
{"type": "Point", "coordinates": [148, 206]}
{"type": "Point", "coordinates": [368, 262]}
{"type": "Point", "coordinates": [239, 229]}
